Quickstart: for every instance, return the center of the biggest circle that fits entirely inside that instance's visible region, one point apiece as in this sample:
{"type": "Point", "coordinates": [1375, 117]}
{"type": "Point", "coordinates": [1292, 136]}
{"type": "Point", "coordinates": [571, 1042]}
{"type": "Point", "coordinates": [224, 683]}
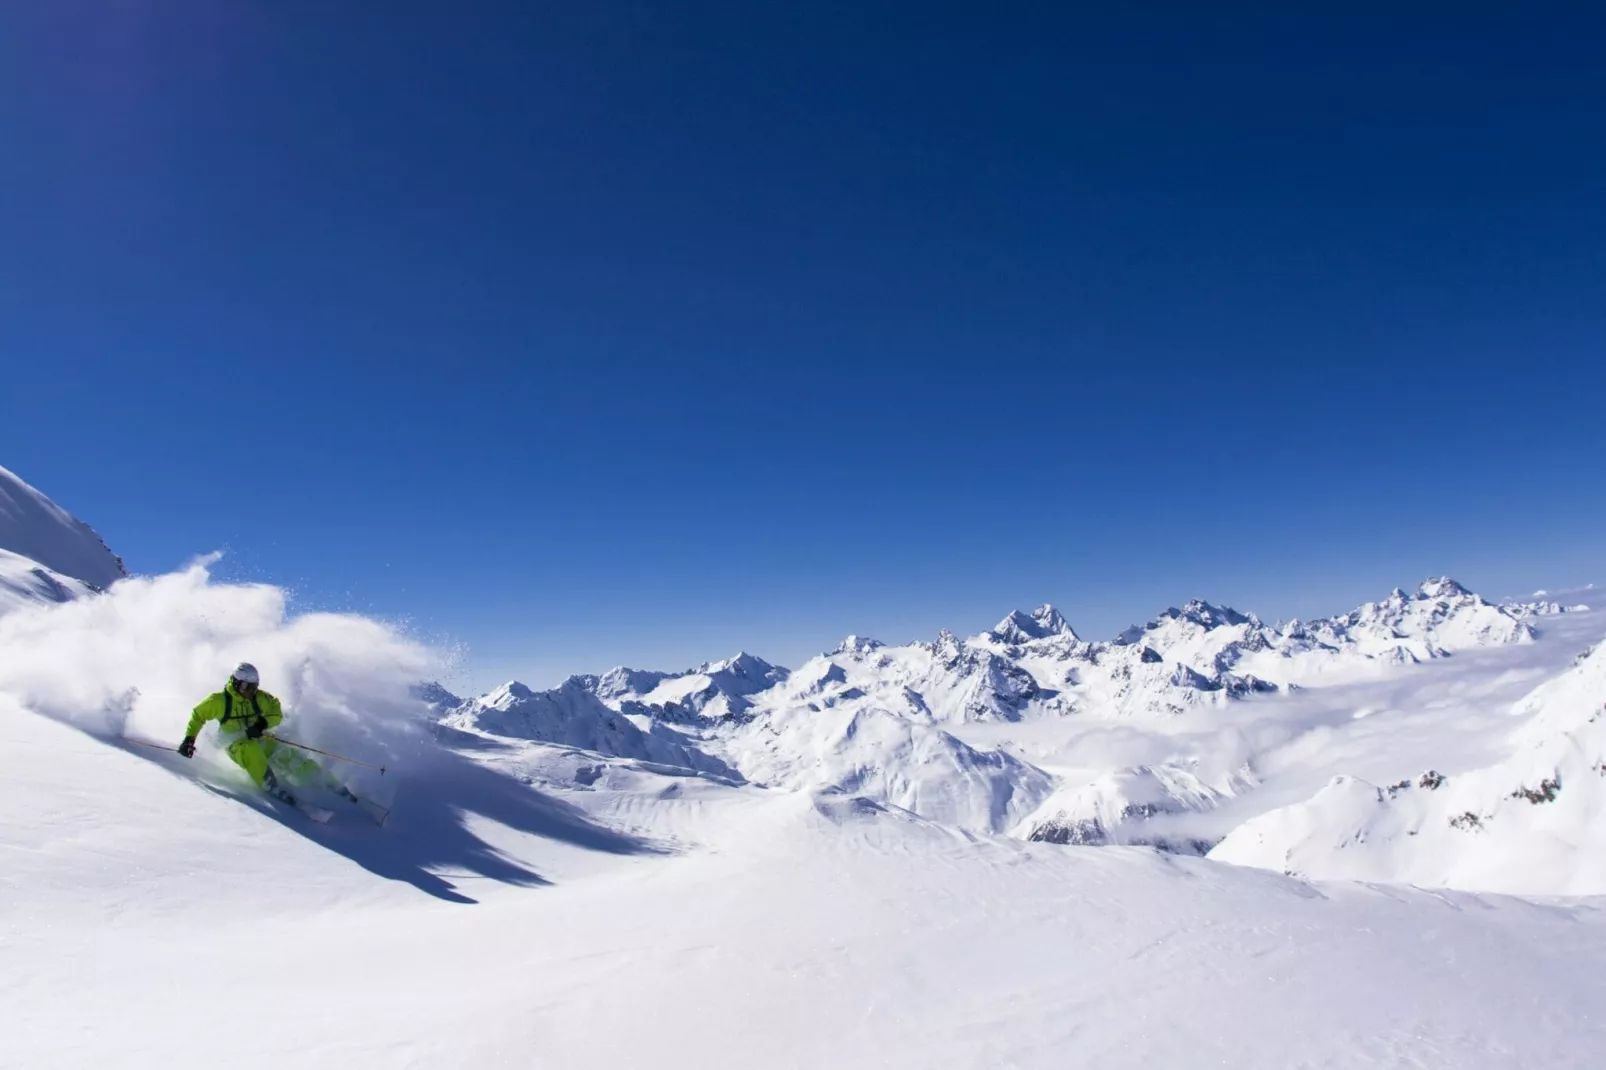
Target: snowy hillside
{"type": "Point", "coordinates": [952, 853]}
{"type": "Point", "coordinates": [25, 582]}
{"type": "Point", "coordinates": [1534, 822]}
{"type": "Point", "coordinates": [557, 894]}
{"type": "Point", "coordinates": [1138, 806]}
{"type": "Point", "coordinates": [860, 749]}
{"type": "Point", "coordinates": [34, 527]}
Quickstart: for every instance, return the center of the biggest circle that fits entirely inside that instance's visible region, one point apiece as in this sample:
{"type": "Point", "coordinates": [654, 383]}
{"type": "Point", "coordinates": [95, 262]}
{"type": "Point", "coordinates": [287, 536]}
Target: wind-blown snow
{"type": "Point", "coordinates": [136, 659]}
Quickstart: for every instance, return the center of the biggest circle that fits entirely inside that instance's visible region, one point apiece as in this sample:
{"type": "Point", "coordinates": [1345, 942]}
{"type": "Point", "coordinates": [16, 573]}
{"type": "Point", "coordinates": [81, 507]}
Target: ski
{"type": "Point", "coordinates": [375, 812]}
{"type": "Point", "coordinates": [316, 813]}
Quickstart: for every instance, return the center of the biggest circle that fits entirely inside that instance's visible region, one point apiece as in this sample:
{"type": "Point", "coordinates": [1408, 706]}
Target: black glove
{"type": "Point", "coordinates": [187, 748]}
{"type": "Point", "coordinates": [256, 727]}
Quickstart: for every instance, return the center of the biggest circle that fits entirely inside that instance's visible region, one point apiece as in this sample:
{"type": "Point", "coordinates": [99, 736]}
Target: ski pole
{"type": "Point", "coordinates": [329, 753]}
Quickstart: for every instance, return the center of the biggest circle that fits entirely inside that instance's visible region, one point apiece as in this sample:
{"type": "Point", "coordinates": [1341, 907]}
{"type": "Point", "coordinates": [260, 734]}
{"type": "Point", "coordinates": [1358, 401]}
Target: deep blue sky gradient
{"type": "Point", "coordinates": [596, 333]}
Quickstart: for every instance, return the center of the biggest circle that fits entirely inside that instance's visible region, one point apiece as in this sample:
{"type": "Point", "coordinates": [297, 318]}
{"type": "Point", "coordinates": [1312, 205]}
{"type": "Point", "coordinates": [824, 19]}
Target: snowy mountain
{"type": "Point", "coordinates": [1035, 664]}
{"type": "Point", "coordinates": [573, 716]}
{"type": "Point", "coordinates": [893, 855]}
{"type": "Point", "coordinates": [713, 690]}
{"type": "Point", "coordinates": [1439, 618]}
{"type": "Point", "coordinates": [881, 721]}
{"type": "Point", "coordinates": [34, 527]}
{"type": "Point", "coordinates": [1524, 610]}
{"type": "Point", "coordinates": [1533, 822]}
{"type": "Point", "coordinates": [1044, 622]}
{"type": "Point", "coordinates": [25, 582]}
{"type": "Point", "coordinates": [435, 696]}
{"type": "Point", "coordinates": [1139, 806]}
{"type": "Point", "coordinates": [862, 750]}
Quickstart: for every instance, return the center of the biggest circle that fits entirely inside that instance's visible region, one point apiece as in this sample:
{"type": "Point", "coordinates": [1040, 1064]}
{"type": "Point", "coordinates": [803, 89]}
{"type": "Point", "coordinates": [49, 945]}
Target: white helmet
{"type": "Point", "coordinates": [245, 673]}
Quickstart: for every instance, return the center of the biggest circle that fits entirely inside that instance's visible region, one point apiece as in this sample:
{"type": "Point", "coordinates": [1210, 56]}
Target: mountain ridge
{"type": "Point", "coordinates": [878, 720]}
{"type": "Point", "coordinates": [34, 527]}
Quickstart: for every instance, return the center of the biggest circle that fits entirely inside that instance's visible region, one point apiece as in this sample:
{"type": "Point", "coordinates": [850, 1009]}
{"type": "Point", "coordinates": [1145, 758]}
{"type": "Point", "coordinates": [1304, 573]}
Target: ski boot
{"type": "Point", "coordinates": [271, 784]}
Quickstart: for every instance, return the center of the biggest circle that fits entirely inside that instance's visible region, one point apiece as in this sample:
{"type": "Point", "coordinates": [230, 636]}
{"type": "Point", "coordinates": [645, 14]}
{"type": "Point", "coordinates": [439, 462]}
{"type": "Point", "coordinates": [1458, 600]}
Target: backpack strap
{"type": "Point", "coordinates": [228, 708]}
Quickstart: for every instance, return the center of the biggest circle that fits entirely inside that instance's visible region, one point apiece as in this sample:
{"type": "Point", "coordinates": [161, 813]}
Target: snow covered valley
{"type": "Point", "coordinates": [1207, 842]}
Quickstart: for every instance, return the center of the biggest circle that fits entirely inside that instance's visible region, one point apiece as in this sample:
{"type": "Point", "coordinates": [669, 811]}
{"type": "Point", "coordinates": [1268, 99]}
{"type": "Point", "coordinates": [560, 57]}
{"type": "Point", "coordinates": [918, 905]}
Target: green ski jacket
{"type": "Point", "coordinates": [233, 710]}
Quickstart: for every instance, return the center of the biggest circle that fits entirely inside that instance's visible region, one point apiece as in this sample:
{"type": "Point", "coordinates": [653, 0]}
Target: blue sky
{"type": "Point", "coordinates": [587, 334]}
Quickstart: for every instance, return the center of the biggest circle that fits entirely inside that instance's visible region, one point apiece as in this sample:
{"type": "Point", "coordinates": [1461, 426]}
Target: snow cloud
{"type": "Point", "coordinates": [135, 660]}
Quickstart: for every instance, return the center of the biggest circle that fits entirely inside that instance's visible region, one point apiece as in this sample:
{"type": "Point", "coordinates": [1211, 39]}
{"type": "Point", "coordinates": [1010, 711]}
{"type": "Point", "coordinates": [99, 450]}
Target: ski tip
{"type": "Point", "coordinates": [314, 813]}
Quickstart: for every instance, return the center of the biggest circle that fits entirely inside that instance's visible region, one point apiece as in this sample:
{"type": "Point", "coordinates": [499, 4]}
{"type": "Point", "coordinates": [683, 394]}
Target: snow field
{"type": "Point", "coordinates": [737, 865]}
{"type": "Point", "coordinates": [787, 931]}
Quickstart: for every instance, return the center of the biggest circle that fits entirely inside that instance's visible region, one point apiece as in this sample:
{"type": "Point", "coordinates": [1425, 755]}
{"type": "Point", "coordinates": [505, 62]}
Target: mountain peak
{"type": "Point", "coordinates": [743, 674]}
{"type": "Point", "coordinates": [858, 644]}
{"type": "Point", "coordinates": [742, 664]}
{"type": "Point", "coordinates": [1052, 619]}
{"type": "Point", "coordinates": [508, 693]}
{"type": "Point", "coordinates": [1441, 587]}
{"type": "Point", "coordinates": [1043, 622]}
{"type": "Point", "coordinates": [1208, 615]}
{"type": "Point", "coordinates": [434, 694]}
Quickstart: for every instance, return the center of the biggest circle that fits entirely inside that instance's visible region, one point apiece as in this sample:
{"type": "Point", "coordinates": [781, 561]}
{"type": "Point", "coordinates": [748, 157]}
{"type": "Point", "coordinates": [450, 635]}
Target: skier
{"type": "Point", "coordinates": [244, 713]}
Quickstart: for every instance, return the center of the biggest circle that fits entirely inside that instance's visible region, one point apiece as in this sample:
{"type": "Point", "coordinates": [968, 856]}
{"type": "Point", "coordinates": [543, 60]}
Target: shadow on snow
{"type": "Point", "coordinates": [426, 841]}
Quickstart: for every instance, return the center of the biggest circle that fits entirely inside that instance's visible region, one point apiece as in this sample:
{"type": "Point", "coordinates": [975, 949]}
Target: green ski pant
{"type": "Point", "coordinates": [256, 756]}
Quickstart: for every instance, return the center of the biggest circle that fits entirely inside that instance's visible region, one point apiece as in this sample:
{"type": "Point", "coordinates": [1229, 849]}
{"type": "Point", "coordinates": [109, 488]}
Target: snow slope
{"type": "Point", "coordinates": [752, 929]}
{"type": "Point", "coordinates": [1128, 805]}
{"type": "Point", "coordinates": [863, 750]}
{"type": "Point", "coordinates": [25, 582]}
{"type": "Point", "coordinates": [1534, 822]}
{"type": "Point", "coordinates": [34, 527]}
{"type": "Point", "coordinates": [741, 866]}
